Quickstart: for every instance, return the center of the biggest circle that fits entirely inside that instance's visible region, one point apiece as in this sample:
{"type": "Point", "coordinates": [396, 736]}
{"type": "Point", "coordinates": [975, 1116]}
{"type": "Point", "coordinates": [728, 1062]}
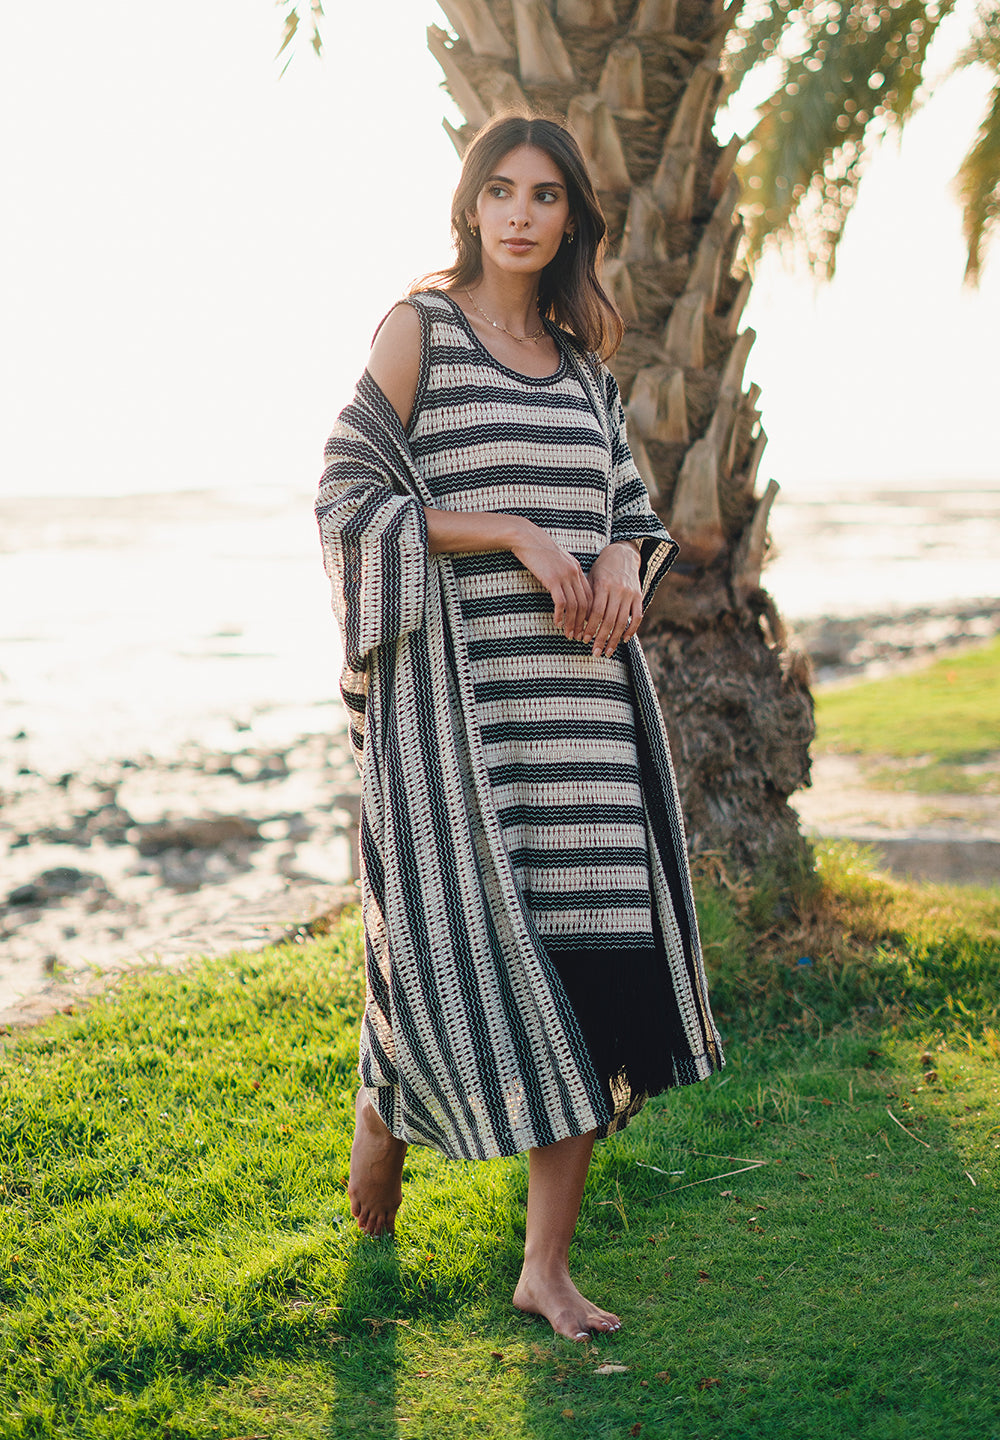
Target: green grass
{"type": "Point", "coordinates": [938, 726]}
{"type": "Point", "coordinates": [914, 957]}
{"type": "Point", "coordinates": [948, 710]}
{"type": "Point", "coordinates": [177, 1258]}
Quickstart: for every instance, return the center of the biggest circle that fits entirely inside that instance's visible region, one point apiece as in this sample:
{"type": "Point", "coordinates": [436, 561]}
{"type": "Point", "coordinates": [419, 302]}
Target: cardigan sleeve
{"type": "Point", "coordinates": [374, 540]}
{"type": "Point", "coordinates": [632, 515]}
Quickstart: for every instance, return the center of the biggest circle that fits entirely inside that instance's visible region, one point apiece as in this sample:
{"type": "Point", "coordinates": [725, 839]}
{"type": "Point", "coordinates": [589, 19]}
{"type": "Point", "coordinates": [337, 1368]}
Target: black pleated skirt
{"type": "Point", "coordinates": [626, 1007]}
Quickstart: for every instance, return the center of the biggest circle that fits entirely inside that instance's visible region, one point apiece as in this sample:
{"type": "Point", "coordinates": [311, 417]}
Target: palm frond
{"type": "Point", "coordinates": [844, 83]}
{"type": "Point", "coordinates": [291, 23]}
{"type": "Point", "coordinates": [757, 35]}
{"type": "Point", "coordinates": [984, 43]}
{"type": "Point", "coordinates": [978, 186]}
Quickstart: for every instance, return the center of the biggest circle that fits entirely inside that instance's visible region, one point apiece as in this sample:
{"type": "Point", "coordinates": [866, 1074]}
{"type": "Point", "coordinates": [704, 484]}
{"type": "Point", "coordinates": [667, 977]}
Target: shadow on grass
{"type": "Point", "coordinates": [423, 1321]}
{"type": "Point", "coordinates": [844, 1287]}
{"type": "Point", "coordinates": [364, 1363]}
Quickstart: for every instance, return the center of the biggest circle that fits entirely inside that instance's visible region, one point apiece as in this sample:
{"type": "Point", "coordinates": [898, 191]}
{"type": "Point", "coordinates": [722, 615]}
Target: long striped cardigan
{"type": "Point", "coordinates": [468, 1042]}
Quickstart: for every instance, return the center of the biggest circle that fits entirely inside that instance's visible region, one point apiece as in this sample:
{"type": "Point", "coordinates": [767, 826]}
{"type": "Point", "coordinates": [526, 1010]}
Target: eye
{"type": "Point", "coordinates": [497, 191]}
{"type": "Point", "coordinates": [547, 195]}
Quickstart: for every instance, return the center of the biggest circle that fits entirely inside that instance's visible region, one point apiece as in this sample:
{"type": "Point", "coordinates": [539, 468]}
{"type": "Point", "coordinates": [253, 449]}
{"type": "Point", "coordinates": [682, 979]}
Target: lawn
{"type": "Point", "coordinates": [937, 728]}
{"type": "Point", "coordinates": [177, 1257]}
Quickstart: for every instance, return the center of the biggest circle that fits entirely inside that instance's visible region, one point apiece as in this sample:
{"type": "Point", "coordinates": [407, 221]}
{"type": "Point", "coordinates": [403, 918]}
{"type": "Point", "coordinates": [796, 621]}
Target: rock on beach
{"type": "Point", "coordinates": [151, 860]}
{"type": "Point", "coordinates": [876, 644]}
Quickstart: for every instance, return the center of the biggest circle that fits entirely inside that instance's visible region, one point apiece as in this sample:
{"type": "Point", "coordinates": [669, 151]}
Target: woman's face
{"type": "Point", "coordinates": [522, 212]}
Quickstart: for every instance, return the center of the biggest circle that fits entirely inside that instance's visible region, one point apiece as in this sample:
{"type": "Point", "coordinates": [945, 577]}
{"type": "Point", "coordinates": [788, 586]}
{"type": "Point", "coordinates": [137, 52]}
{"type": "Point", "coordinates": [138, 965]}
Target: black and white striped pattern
{"type": "Point", "coordinates": [557, 725]}
{"type": "Point", "coordinates": [517, 794]}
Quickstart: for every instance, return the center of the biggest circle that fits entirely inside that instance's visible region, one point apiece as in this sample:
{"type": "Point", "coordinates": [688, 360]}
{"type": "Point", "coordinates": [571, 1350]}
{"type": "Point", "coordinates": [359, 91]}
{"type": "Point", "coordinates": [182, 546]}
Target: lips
{"type": "Point", "coordinates": [519, 247]}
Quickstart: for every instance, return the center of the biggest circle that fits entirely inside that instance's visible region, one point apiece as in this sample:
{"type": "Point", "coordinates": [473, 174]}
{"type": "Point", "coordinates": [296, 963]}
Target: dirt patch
{"type": "Point", "coordinates": [942, 837]}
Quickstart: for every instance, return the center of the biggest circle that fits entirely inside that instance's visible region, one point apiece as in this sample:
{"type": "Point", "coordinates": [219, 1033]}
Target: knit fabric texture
{"type": "Point", "coordinates": [518, 799]}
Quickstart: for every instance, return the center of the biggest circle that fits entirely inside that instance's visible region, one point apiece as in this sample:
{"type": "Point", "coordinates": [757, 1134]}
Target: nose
{"type": "Point", "coordinates": [518, 221]}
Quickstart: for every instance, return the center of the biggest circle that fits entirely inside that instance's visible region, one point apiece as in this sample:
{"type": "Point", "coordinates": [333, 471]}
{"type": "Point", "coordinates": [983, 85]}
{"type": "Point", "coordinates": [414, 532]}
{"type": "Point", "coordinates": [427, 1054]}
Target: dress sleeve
{"type": "Point", "coordinates": [374, 540]}
{"type": "Point", "coordinates": [632, 516]}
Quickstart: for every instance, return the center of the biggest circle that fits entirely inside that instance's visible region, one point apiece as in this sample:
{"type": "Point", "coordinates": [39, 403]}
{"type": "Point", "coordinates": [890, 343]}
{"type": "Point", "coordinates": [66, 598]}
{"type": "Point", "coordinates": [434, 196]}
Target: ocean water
{"type": "Point", "coordinates": [847, 552]}
{"type": "Point", "coordinates": [133, 623]}
{"type": "Point", "coordinates": [130, 624]}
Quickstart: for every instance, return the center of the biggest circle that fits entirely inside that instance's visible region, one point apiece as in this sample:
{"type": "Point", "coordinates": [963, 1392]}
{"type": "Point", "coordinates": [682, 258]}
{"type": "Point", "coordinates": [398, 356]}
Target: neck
{"type": "Point", "coordinates": [512, 300]}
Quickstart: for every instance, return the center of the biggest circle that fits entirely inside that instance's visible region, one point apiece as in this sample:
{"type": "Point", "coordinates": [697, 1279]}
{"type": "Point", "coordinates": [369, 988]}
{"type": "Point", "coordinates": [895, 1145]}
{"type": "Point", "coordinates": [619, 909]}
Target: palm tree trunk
{"type": "Point", "coordinates": [638, 81]}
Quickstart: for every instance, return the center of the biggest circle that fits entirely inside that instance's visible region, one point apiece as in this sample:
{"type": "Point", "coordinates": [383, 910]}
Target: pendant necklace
{"type": "Point", "coordinates": [497, 326]}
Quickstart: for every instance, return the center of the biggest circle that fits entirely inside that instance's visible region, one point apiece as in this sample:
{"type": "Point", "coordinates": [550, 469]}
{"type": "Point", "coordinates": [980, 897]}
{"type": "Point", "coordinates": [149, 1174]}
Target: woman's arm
{"type": "Point", "coordinates": [451, 531]}
{"type": "Point", "coordinates": [394, 365]}
{"type": "Point", "coordinates": [394, 362]}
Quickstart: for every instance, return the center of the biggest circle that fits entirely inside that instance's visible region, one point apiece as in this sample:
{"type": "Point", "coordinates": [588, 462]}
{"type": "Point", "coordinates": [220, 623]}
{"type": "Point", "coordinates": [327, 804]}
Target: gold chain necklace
{"type": "Point", "coordinates": [497, 326]}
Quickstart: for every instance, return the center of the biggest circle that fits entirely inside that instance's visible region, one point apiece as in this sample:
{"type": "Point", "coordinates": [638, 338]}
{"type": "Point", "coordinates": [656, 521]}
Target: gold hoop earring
{"type": "Point", "coordinates": [570, 236]}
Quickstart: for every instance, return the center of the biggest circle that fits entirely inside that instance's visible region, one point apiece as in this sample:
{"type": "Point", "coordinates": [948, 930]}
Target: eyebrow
{"type": "Point", "coordinates": [540, 185]}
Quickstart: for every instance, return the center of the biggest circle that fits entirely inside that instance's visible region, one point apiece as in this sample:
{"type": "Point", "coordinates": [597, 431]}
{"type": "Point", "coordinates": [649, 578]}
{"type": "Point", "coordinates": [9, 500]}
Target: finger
{"type": "Point", "coordinates": [586, 601]}
{"type": "Point", "coordinates": [597, 624]}
{"type": "Point", "coordinates": [603, 612]}
{"type": "Point", "coordinates": [597, 611]}
{"type": "Point", "coordinates": [609, 634]}
{"type": "Point", "coordinates": [558, 604]}
{"type": "Point", "coordinates": [635, 622]}
{"type": "Point", "coordinates": [565, 606]}
{"type": "Point", "coordinates": [595, 615]}
{"type": "Point", "coordinates": [577, 605]}
{"type": "Point", "coordinates": [621, 623]}
{"type": "Point", "coordinates": [575, 616]}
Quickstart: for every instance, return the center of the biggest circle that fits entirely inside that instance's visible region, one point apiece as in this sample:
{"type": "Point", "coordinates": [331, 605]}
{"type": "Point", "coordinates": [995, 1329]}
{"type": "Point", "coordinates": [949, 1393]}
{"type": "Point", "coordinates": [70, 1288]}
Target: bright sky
{"type": "Point", "coordinates": [195, 254]}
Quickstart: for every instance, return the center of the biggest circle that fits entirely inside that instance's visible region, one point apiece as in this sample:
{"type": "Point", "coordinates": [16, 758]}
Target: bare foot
{"type": "Point", "coordinates": [552, 1293]}
{"type": "Point", "coordinates": [375, 1188]}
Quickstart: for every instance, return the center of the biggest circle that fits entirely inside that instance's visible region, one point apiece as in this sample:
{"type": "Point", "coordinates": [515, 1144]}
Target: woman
{"type": "Point", "coordinates": [532, 954]}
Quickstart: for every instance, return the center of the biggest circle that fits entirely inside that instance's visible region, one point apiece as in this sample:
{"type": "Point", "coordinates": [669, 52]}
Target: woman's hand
{"type": "Point", "coordinates": [559, 572]}
{"type": "Point", "coordinates": [617, 606]}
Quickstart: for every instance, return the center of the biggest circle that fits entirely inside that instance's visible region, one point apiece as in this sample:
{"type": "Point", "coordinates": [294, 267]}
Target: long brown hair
{"type": "Point", "coordinates": [569, 291]}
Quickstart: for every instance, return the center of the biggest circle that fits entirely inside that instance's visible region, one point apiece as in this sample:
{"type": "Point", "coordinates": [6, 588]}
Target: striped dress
{"type": "Point", "coordinates": [556, 723]}
{"type": "Point", "coordinates": [532, 954]}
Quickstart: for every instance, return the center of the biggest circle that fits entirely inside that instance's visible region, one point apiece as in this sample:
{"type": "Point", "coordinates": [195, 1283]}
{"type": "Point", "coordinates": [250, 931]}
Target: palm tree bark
{"type": "Point", "coordinates": [638, 81]}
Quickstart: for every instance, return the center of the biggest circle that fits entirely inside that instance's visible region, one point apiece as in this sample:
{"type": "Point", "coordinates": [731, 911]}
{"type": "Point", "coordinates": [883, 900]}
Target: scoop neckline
{"type": "Point", "coordinates": [553, 330]}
